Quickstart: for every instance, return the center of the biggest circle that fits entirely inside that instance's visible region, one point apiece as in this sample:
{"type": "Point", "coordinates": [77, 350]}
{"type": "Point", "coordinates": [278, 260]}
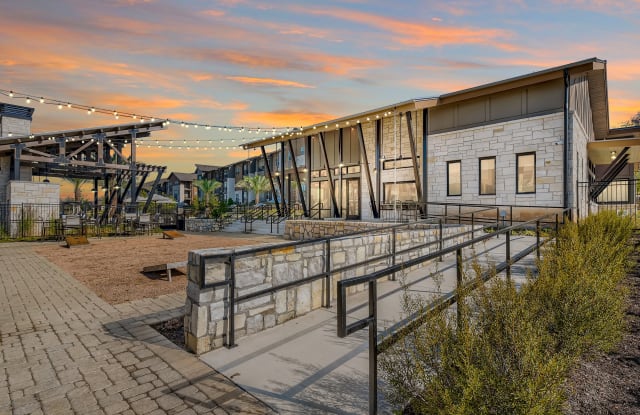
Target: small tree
{"type": "Point", "coordinates": [256, 184]}
{"type": "Point", "coordinates": [208, 188]}
{"type": "Point", "coordinates": [633, 122]}
{"type": "Point", "coordinates": [77, 187]}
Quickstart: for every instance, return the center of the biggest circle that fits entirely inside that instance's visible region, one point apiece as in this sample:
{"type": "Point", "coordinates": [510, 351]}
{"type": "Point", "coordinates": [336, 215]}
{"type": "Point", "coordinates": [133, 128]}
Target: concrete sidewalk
{"type": "Point", "coordinates": [63, 350]}
{"type": "Point", "coordinates": [302, 367]}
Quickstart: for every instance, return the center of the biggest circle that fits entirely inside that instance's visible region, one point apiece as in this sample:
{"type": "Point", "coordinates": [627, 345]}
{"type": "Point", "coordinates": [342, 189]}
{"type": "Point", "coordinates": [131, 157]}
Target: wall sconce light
{"type": "Point", "coordinates": [613, 155]}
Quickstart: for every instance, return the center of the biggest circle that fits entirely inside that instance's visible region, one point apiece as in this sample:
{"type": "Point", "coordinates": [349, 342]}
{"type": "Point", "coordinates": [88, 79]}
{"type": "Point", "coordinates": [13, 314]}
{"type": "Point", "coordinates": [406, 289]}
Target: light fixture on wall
{"type": "Point", "coordinates": [613, 155]}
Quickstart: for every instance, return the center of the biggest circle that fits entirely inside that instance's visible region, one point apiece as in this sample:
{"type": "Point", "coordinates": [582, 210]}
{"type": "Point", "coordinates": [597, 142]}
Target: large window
{"type": "Point", "coordinates": [454, 178]}
{"type": "Point", "coordinates": [402, 192]}
{"type": "Point", "coordinates": [526, 171]}
{"type": "Point", "coordinates": [488, 176]}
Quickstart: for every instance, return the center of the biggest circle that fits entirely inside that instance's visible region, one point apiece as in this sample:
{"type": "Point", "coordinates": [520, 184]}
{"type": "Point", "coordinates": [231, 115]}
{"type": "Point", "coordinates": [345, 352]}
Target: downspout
{"type": "Point", "coordinates": [565, 147]}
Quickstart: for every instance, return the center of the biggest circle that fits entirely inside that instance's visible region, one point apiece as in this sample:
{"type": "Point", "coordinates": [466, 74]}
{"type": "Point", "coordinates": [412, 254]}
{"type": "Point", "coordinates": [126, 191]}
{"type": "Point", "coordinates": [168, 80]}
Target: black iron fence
{"type": "Point", "coordinates": [620, 195]}
{"type": "Point", "coordinates": [31, 221]}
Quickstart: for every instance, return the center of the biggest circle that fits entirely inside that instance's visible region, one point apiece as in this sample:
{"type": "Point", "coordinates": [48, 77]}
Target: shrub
{"type": "Point", "coordinates": [509, 351]}
{"type": "Point", "coordinates": [579, 291]}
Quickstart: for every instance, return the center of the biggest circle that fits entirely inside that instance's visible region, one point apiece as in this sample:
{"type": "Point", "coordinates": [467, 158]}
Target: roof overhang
{"type": "Point", "coordinates": [594, 68]}
{"type": "Point", "coordinates": [600, 151]}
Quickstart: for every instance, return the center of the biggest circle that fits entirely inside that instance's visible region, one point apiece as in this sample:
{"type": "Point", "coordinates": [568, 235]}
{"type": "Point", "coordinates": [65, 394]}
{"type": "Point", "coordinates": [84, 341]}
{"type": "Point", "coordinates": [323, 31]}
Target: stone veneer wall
{"type": "Point", "coordinates": [542, 135]}
{"type": "Point", "coordinates": [22, 196]}
{"type": "Point", "coordinates": [200, 225]}
{"type": "Point", "coordinates": [301, 229]}
{"type": "Point", "coordinates": [205, 309]}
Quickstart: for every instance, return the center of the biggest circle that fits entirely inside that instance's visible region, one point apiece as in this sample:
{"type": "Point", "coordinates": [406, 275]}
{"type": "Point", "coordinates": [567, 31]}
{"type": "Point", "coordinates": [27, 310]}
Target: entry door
{"type": "Point", "coordinates": [351, 199]}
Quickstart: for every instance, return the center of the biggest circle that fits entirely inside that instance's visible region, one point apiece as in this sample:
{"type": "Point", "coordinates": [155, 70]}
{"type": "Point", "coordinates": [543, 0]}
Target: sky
{"type": "Point", "coordinates": [257, 64]}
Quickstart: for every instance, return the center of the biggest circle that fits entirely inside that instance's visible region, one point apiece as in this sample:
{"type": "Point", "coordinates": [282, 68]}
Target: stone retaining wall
{"type": "Point", "coordinates": [206, 310]}
{"type": "Point", "coordinates": [300, 229]}
{"type": "Point", "coordinates": [201, 225]}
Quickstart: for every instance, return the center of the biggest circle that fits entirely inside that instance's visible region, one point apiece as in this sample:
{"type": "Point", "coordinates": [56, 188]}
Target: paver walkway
{"type": "Point", "coordinates": [63, 350]}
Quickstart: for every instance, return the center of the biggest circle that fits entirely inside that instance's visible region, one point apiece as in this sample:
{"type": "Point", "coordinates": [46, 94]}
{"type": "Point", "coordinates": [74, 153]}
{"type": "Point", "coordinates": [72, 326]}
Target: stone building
{"type": "Point", "coordinates": [528, 142]}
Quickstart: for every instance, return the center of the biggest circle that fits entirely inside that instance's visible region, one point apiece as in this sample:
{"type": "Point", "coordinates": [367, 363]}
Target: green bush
{"type": "Point", "coordinates": [495, 360]}
{"type": "Point", "coordinates": [579, 292]}
{"type": "Point", "coordinates": [509, 351]}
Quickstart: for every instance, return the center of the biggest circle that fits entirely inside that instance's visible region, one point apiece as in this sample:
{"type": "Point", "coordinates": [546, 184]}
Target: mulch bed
{"type": "Point", "coordinates": [610, 384]}
{"type": "Point", "coordinates": [173, 330]}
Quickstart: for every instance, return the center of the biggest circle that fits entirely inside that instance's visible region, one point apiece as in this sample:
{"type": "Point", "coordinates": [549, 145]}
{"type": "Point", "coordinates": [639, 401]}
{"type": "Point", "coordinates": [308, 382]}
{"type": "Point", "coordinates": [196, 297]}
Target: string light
{"type": "Point", "coordinates": [116, 114]}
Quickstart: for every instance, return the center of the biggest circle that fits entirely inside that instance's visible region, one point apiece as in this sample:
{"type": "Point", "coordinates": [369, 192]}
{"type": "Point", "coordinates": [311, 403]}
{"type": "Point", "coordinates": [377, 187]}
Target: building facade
{"type": "Point", "coordinates": [525, 142]}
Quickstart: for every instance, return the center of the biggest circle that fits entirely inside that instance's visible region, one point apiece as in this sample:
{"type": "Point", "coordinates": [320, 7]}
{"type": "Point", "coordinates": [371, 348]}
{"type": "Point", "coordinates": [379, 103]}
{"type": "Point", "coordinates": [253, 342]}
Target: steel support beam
{"type": "Point", "coordinates": [273, 187]}
{"type": "Point", "coordinates": [336, 211]}
{"type": "Point", "coordinates": [154, 186]}
{"type": "Point", "coordinates": [414, 157]}
{"type": "Point", "coordinates": [132, 164]}
{"type": "Point", "coordinates": [365, 161]}
{"type": "Point", "coordinates": [281, 179]}
{"type": "Point", "coordinates": [295, 168]}
{"type": "Point", "coordinates": [425, 165]}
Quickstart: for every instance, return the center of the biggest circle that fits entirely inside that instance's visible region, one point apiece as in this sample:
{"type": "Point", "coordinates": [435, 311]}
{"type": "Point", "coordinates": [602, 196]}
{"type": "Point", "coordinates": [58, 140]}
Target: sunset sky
{"type": "Point", "coordinates": [291, 63]}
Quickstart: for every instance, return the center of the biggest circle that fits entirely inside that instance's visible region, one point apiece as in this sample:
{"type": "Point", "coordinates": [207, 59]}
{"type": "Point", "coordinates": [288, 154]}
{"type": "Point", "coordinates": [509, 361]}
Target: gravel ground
{"type": "Point", "coordinates": [112, 267]}
{"type": "Point", "coordinates": [610, 384]}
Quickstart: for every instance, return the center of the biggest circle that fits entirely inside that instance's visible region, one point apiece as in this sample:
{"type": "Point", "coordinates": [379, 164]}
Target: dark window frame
{"type": "Point", "coordinates": [518, 155]}
{"type": "Point", "coordinates": [449, 163]}
{"type": "Point", "coordinates": [480, 175]}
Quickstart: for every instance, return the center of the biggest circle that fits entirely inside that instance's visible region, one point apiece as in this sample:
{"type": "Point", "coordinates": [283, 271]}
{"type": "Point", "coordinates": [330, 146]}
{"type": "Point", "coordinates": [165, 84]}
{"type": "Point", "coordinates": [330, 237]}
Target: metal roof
{"type": "Point", "coordinates": [601, 116]}
{"type": "Point", "coordinates": [16, 111]}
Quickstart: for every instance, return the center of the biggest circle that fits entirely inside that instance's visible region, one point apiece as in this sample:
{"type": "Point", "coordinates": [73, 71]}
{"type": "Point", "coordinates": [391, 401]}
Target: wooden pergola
{"type": "Point", "coordinates": [94, 153]}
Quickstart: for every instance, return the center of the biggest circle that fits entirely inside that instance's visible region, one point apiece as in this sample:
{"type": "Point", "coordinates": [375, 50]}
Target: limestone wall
{"type": "Point", "coordinates": [200, 225]}
{"type": "Point", "coordinates": [32, 206]}
{"type": "Point", "coordinates": [206, 310]}
{"type": "Point", "coordinates": [542, 135]}
{"type": "Point", "coordinates": [300, 229]}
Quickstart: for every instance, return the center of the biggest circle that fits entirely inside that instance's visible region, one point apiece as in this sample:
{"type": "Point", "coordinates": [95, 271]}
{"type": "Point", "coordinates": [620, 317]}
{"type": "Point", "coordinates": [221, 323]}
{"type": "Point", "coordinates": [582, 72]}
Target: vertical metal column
{"type": "Point", "coordinates": [336, 211]}
{"type": "Point", "coordinates": [327, 270]}
{"type": "Point", "coordinates": [273, 187]}
{"type": "Point", "coordinates": [285, 202]}
{"type": "Point", "coordinates": [373, 348]}
{"type": "Point", "coordinates": [414, 157]}
{"type": "Point", "coordinates": [133, 167]}
{"type": "Point", "coordinates": [508, 253]}
{"type": "Point", "coordinates": [425, 165]}
{"type": "Point", "coordinates": [459, 284]}
{"type": "Point", "coordinates": [295, 169]}
{"type": "Point", "coordinates": [365, 161]}
{"type": "Point", "coordinates": [231, 315]}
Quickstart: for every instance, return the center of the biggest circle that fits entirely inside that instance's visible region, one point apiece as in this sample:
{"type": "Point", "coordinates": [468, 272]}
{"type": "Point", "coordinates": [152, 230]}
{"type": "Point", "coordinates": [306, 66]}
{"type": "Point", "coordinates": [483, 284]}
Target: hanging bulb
{"type": "Point", "coordinates": [68, 105]}
{"type": "Point", "coordinates": [41, 100]}
{"type": "Point", "coordinates": [28, 100]}
{"type": "Point", "coordinates": [10, 94]}
{"type": "Point", "coordinates": [59, 106]}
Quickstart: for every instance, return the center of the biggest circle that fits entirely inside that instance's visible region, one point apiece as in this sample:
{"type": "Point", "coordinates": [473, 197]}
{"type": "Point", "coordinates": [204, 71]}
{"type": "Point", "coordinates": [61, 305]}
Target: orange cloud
{"type": "Point", "coordinates": [421, 34]}
{"type": "Point", "coordinates": [280, 118]}
{"type": "Point", "coordinates": [624, 70]}
{"type": "Point", "coordinates": [621, 109]}
{"type": "Point", "coordinates": [267, 81]}
{"type": "Point", "coordinates": [308, 62]}
{"type": "Point", "coordinates": [213, 13]}
{"type": "Point", "coordinates": [199, 77]}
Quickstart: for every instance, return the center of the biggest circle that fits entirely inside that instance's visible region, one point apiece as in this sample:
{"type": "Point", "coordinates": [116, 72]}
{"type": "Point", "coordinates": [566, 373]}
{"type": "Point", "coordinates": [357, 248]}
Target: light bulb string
{"type": "Point", "coordinates": [117, 114]}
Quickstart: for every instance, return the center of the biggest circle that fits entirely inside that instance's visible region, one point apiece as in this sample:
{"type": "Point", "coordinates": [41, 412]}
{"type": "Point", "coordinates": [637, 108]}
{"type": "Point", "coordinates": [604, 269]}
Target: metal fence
{"type": "Point", "coordinates": [32, 221]}
{"type": "Point", "coordinates": [621, 196]}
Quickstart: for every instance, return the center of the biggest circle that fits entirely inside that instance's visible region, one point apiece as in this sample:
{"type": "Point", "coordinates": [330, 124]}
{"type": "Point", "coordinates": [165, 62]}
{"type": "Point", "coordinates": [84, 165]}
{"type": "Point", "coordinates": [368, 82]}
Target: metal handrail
{"type": "Point", "coordinates": [415, 320]}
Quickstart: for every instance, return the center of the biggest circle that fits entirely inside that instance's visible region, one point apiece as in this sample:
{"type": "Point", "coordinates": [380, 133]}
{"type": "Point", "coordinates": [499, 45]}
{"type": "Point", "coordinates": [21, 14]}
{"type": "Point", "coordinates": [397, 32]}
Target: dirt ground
{"type": "Point", "coordinates": [112, 267]}
{"type": "Point", "coordinates": [610, 384]}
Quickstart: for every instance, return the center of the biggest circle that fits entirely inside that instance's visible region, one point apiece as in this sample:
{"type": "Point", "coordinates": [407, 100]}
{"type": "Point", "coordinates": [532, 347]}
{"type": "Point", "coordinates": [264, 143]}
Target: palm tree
{"type": "Point", "coordinates": [77, 187]}
{"type": "Point", "coordinates": [256, 184]}
{"type": "Point", "coordinates": [208, 187]}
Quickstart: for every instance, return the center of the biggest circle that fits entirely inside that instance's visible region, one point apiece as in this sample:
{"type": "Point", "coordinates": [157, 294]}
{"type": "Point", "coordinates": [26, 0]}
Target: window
{"type": "Point", "coordinates": [402, 191]}
{"type": "Point", "coordinates": [488, 176]}
{"type": "Point", "coordinates": [454, 178]}
{"type": "Point", "coordinates": [526, 171]}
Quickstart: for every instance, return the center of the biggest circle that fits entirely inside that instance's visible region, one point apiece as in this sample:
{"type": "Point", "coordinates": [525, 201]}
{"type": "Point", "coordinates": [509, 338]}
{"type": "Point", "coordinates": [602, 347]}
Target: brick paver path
{"type": "Point", "coordinates": [63, 350]}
